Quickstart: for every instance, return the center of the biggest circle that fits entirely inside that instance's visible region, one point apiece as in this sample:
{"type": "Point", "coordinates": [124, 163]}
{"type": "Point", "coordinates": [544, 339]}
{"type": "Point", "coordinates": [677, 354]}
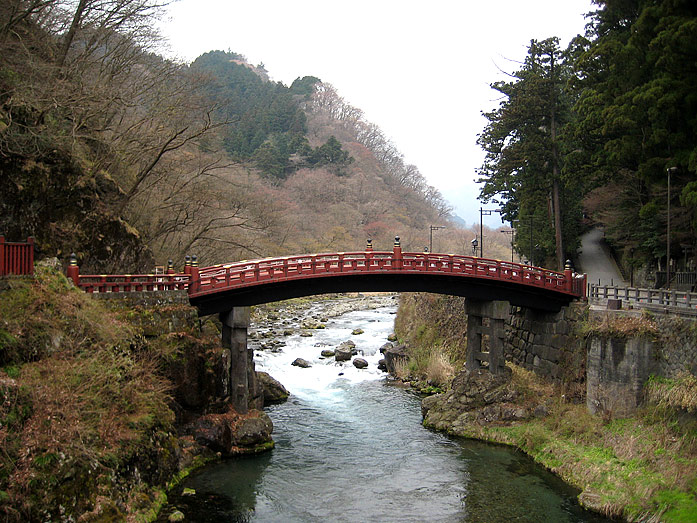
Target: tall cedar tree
{"type": "Point", "coordinates": [522, 170]}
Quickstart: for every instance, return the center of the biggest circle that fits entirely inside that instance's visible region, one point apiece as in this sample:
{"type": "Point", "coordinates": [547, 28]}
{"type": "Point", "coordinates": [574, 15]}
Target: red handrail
{"type": "Point", "coordinates": [246, 273]}
{"type": "Point", "coordinates": [208, 280]}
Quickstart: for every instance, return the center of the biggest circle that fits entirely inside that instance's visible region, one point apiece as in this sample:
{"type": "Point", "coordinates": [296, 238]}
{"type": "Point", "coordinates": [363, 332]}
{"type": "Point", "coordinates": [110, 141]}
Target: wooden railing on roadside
{"type": "Point", "coordinates": [660, 297]}
{"type": "Point", "coordinates": [16, 257]}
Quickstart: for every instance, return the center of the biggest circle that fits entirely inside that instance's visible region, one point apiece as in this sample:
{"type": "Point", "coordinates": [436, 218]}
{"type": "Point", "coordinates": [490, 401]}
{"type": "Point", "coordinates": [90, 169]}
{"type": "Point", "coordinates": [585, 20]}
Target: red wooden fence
{"type": "Point", "coordinates": [16, 257]}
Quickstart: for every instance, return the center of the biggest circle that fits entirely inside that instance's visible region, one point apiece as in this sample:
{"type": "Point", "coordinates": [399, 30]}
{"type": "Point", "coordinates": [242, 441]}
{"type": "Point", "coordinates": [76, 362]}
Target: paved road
{"type": "Point", "coordinates": [594, 259]}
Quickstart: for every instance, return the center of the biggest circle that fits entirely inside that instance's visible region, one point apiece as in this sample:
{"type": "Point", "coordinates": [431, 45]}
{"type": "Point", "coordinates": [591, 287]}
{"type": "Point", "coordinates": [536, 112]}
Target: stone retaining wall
{"type": "Point", "coordinates": [146, 298]}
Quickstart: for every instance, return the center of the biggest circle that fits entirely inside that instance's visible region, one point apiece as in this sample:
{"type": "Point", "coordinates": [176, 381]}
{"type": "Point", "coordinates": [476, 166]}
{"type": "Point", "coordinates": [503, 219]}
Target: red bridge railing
{"type": "Point", "coordinates": [102, 283]}
{"type": "Point", "coordinates": [247, 273]}
{"type": "Point", "coordinates": [16, 257]}
{"type": "Point", "coordinates": [209, 280]}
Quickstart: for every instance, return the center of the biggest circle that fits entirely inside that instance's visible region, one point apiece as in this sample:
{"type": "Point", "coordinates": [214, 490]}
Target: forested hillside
{"type": "Point", "coordinates": [598, 127]}
{"type": "Point", "coordinates": [124, 157]}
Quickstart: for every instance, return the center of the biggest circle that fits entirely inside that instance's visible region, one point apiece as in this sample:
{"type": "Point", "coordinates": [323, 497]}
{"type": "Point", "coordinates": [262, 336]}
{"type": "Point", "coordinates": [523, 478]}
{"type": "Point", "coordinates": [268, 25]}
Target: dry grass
{"type": "Point", "coordinates": [678, 393]}
{"type": "Point", "coordinates": [86, 398]}
{"type": "Point", "coordinates": [439, 370]}
{"type": "Point", "coordinates": [401, 369]}
{"type": "Point", "coordinates": [625, 327]}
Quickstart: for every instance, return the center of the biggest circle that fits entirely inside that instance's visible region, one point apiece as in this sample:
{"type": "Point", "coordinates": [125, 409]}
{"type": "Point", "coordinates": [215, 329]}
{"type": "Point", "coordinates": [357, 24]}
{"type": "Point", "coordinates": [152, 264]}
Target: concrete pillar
{"type": "Point", "coordinates": [235, 324]}
{"type": "Point", "coordinates": [479, 353]}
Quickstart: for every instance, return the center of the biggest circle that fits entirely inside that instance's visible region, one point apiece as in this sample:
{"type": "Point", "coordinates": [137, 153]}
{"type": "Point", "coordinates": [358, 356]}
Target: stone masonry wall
{"type": "Point", "coordinates": [676, 350]}
{"type": "Point", "coordinates": [674, 346]}
{"type": "Point", "coordinates": [545, 342]}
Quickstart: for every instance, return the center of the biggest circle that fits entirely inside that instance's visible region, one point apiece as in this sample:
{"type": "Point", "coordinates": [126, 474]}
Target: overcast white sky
{"type": "Point", "coordinates": [419, 70]}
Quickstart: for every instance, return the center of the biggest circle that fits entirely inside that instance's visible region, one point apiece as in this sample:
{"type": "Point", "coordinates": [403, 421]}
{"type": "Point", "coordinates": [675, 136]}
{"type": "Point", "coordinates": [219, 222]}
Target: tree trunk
{"type": "Point", "coordinates": [70, 35]}
{"type": "Point", "coordinates": [555, 174]}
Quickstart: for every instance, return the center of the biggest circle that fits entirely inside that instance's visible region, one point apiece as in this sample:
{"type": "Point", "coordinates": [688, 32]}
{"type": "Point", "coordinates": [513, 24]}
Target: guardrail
{"type": "Point", "coordinates": [16, 257]}
{"type": "Point", "coordinates": [661, 297]}
{"type": "Point", "coordinates": [94, 283]}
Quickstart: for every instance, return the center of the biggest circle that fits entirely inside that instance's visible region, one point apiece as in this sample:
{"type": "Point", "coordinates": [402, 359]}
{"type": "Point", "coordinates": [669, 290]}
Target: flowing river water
{"type": "Point", "coordinates": [350, 447]}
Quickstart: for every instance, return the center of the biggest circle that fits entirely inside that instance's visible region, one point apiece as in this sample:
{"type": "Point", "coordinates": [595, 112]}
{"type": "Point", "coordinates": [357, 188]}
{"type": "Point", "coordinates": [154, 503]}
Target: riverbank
{"type": "Point", "coordinates": [638, 468]}
{"type": "Point", "coordinates": [106, 404]}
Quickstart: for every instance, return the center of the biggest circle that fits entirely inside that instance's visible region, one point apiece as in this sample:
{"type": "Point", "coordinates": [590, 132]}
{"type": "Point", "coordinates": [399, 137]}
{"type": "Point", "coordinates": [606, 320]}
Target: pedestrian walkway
{"type": "Point", "coordinates": [595, 260]}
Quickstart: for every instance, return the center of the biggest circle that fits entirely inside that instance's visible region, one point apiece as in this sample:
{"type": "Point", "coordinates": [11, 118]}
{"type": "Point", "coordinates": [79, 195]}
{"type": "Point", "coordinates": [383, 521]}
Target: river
{"type": "Point", "coordinates": [350, 447]}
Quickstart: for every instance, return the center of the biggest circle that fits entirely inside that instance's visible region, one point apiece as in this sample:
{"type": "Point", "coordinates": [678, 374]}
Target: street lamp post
{"type": "Point", "coordinates": [474, 246]}
{"type": "Point", "coordinates": [433, 228]}
{"type": "Point", "coordinates": [511, 233]}
{"type": "Point", "coordinates": [669, 170]}
{"type": "Point", "coordinates": [482, 213]}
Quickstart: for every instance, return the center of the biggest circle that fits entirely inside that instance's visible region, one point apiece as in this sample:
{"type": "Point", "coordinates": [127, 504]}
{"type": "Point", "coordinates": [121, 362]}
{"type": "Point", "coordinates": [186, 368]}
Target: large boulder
{"type": "Point", "coordinates": [231, 433]}
{"type": "Point", "coordinates": [274, 391]}
{"type": "Point", "coordinates": [476, 397]}
{"type": "Point", "coordinates": [394, 357]}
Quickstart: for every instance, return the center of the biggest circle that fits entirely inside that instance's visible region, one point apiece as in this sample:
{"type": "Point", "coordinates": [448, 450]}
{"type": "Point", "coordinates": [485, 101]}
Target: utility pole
{"type": "Point", "coordinates": [433, 228]}
{"type": "Point", "coordinates": [669, 170]}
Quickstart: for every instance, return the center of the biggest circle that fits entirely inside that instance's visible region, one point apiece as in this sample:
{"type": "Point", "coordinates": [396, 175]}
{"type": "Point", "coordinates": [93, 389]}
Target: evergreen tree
{"type": "Point", "coordinates": [636, 112]}
{"type": "Point", "coordinates": [522, 170]}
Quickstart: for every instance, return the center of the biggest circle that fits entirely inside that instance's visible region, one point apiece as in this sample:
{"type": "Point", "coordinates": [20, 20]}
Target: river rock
{"type": "Point", "coordinates": [392, 337]}
{"type": "Point", "coordinates": [299, 362]}
{"type": "Point", "coordinates": [386, 346]}
{"type": "Point", "coordinates": [327, 353]}
{"type": "Point", "coordinates": [343, 353]}
{"type": "Point", "coordinates": [360, 363]}
{"type": "Point", "coordinates": [274, 391]}
{"type": "Point", "coordinates": [356, 332]}
{"type": "Point", "coordinates": [395, 356]}
{"type": "Point", "coordinates": [251, 431]}
{"type": "Point", "coordinates": [381, 365]}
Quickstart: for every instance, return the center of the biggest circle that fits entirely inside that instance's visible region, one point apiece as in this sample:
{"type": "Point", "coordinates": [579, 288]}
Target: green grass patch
{"type": "Point", "coordinates": [677, 507]}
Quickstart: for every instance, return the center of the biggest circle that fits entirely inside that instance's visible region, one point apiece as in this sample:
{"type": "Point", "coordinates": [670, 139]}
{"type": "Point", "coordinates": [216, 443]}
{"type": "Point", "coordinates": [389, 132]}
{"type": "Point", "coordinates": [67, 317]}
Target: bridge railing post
{"type": "Point", "coordinates": [368, 253]}
{"type": "Point", "coordinates": [568, 277]}
{"type": "Point", "coordinates": [195, 279]}
{"type": "Point", "coordinates": [73, 271]}
{"type": "Point", "coordinates": [397, 253]}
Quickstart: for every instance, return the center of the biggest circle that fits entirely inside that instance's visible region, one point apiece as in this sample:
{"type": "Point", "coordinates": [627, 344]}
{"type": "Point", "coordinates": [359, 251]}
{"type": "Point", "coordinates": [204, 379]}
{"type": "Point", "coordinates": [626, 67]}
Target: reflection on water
{"type": "Point", "coordinates": [352, 448]}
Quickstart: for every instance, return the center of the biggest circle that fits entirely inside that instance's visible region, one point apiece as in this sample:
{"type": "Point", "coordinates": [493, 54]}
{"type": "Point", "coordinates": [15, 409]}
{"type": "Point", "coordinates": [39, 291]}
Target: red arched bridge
{"type": "Point", "coordinates": [223, 287]}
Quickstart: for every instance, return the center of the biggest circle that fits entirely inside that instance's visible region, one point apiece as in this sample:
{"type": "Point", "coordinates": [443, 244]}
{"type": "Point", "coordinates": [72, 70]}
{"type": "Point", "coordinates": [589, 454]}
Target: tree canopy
{"type": "Point", "coordinates": [624, 103]}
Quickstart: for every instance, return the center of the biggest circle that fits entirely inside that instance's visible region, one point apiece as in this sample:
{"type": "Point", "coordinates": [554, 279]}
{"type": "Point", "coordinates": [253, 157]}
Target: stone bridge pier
{"type": "Point", "coordinates": [486, 334]}
{"type": "Point", "coordinates": [243, 379]}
